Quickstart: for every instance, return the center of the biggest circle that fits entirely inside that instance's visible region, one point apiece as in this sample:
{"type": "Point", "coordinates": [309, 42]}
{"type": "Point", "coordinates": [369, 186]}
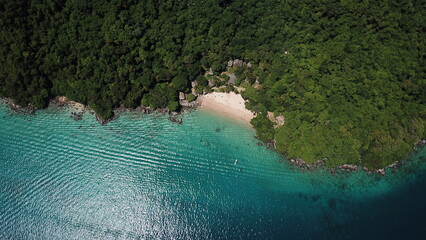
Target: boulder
{"type": "Point", "coordinates": [238, 63]}
{"type": "Point", "coordinates": [181, 96]}
{"type": "Point", "coordinates": [230, 63]}
{"type": "Point", "coordinates": [381, 171]}
{"type": "Point", "coordinates": [394, 165]}
{"type": "Point", "coordinates": [194, 92]}
{"type": "Point", "coordinates": [185, 103]}
{"type": "Point", "coordinates": [271, 144]}
{"type": "Point", "coordinates": [349, 167]}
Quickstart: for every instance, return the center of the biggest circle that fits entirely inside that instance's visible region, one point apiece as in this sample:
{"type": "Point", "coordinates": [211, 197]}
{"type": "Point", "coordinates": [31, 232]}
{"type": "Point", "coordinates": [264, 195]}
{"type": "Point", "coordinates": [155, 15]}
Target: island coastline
{"type": "Point", "coordinates": [229, 105]}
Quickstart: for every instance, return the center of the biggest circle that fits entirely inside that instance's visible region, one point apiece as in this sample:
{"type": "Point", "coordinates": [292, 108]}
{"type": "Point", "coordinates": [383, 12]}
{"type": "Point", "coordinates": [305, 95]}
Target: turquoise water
{"type": "Point", "coordinates": [144, 177]}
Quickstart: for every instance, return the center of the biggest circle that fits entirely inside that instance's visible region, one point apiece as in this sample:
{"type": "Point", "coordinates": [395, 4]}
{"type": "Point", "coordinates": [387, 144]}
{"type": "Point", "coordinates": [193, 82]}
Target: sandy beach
{"type": "Point", "coordinates": [228, 104]}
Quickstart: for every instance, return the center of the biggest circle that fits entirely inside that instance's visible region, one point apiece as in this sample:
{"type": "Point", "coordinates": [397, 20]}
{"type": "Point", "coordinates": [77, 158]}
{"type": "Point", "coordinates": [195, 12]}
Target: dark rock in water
{"type": "Point", "coordinates": [298, 162]}
{"type": "Point", "coordinates": [259, 144]}
{"type": "Point", "coordinates": [100, 120]}
{"type": "Point", "coordinates": [172, 119]}
{"type": "Point", "coordinates": [20, 109]}
{"type": "Point", "coordinates": [180, 120]}
{"type": "Point", "coordinates": [271, 144]}
{"type": "Point", "coordinates": [104, 121]}
{"type": "Point", "coordinates": [395, 165]}
{"type": "Point", "coordinates": [77, 115]}
{"type": "Point", "coordinates": [217, 130]}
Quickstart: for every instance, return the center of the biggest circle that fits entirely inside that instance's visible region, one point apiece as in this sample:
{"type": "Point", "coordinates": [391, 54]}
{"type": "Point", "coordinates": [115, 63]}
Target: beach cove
{"type": "Point", "coordinates": [230, 105]}
{"type": "Point", "coordinates": [143, 176]}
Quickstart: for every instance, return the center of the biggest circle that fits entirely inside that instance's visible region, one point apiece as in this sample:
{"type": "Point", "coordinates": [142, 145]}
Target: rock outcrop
{"type": "Point", "coordinates": [236, 63]}
{"type": "Point", "coordinates": [348, 167]}
{"type": "Point", "coordinates": [20, 109]}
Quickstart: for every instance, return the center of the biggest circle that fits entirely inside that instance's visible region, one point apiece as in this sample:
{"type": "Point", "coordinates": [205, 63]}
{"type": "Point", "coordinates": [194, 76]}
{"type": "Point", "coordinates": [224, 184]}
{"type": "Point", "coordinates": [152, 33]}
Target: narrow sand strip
{"type": "Point", "coordinates": [227, 104]}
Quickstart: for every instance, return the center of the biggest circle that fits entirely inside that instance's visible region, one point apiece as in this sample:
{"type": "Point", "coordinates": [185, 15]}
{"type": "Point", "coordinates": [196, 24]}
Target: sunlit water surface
{"type": "Point", "coordinates": [144, 177]}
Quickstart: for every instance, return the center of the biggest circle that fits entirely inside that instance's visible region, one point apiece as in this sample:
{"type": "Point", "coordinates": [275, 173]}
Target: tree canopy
{"type": "Point", "coordinates": [349, 76]}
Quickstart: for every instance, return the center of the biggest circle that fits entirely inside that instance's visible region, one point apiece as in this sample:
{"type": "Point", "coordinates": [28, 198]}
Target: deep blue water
{"type": "Point", "coordinates": [144, 177]}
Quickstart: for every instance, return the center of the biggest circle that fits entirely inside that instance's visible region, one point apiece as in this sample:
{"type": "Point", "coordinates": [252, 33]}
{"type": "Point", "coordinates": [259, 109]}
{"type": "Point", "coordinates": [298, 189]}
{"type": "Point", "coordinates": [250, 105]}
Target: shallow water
{"type": "Point", "coordinates": [144, 177]}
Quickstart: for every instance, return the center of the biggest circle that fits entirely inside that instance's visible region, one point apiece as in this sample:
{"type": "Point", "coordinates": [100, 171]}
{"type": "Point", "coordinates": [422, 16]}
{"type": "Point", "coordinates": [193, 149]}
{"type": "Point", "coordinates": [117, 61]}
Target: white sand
{"type": "Point", "coordinates": [228, 104]}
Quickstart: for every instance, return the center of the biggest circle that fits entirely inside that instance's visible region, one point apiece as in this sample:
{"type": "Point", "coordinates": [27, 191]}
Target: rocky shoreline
{"type": "Point", "coordinates": [19, 109]}
{"type": "Point", "coordinates": [345, 168]}
{"type": "Point", "coordinates": [176, 117]}
{"type": "Point", "coordinates": [79, 109]}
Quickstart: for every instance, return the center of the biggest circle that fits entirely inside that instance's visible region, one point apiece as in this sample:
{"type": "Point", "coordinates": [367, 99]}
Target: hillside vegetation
{"type": "Point", "coordinates": [348, 76]}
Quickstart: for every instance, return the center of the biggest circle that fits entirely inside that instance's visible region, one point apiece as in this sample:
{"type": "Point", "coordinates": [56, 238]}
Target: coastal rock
{"type": "Point", "coordinates": [77, 115]}
{"type": "Point", "coordinates": [172, 119]}
{"type": "Point", "coordinates": [175, 117]}
{"type": "Point", "coordinates": [271, 144]}
{"type": "Point", "coordinates": [101, 120]}
{"type": "Point", "coordinates": [172, 113]}
{"type": "Point", "coordinates": [20, 109]}
{"type": "Point", "coordinates": [194, 84]}
{"type": "Point", "coordinates": [61, 100]}
{"type": "Point", "coordinates": [194, 92]}
{"type": "Point", "coordinates": [395, 165]}
{"type": "Point", "coordinates": [349, 167]}
{"type": "Point", "coordinates": [181, 96]}
{"type": "Point", "coordinates": [185, 103]}
{"type": "Point", "coordinates": [298, 162]}
{"type": "Point", "coordinates": [381, 171]}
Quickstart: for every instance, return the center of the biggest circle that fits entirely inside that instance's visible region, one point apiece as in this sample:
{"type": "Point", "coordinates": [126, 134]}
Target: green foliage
{"type": "Point", "coordinates": [202, 81]}
{"type": "Point", "coordinates": [225, 77]}
{"type": "Point", "coordinates": [191, 97]}
{"type": "Point", "coordinates": [173, 105]}
{"type": "Point", "coordinates": [264, 127]}
{"type": "Point", "coordinates": [349, 76]}
{"type": "Point", "coordinates": [180, 82]}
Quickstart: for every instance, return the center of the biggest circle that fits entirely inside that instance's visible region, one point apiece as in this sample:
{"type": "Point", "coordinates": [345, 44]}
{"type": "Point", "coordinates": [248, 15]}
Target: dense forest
{"type": "Point", "coordinates": [348, 76]}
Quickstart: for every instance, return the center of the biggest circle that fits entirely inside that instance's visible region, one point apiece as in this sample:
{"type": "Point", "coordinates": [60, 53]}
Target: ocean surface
{"type": "Point", "coordinates": [144, 177]}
